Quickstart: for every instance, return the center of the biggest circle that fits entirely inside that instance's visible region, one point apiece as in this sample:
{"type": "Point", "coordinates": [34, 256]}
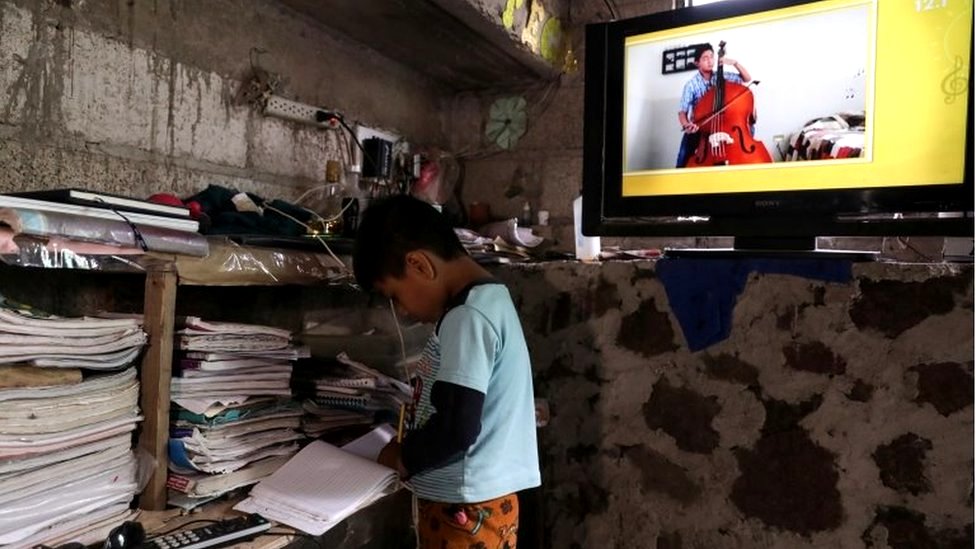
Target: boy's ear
{"type": "Point", "coordinates": [419, 262]}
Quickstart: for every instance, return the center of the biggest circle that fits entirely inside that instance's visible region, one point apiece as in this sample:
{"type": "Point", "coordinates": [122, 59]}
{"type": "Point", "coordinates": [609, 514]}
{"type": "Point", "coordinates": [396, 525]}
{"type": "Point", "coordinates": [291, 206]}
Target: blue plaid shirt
{"type": "Point", "coordinates": [696, 88]}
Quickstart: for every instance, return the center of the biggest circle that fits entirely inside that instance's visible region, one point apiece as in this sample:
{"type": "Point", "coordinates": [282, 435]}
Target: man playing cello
{"type": "Point", "coordinates": [704, 80]}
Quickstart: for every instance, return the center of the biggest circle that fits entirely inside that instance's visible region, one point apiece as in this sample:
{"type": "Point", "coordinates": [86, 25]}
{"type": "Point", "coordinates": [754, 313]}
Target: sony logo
{"type": "Point", "coordinates": [767, 203]}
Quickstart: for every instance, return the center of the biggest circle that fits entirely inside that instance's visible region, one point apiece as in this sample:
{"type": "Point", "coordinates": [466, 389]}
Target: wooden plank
{"type": "Point", "coordinates": [24, 375]}
{"type": "Point", "coordinates": [157, 369]}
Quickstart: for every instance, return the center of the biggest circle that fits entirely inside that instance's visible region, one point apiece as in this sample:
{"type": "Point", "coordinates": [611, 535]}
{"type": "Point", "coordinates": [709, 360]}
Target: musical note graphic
{"type": "Point", "coordinates": [851, 91]}
{"type": "Point", "coordinates": [955, 84]}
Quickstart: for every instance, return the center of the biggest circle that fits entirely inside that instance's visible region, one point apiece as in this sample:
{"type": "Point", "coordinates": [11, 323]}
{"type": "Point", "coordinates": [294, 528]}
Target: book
{"type": "Point", "coordinates": [319, 487]}
{"type": "Point", "coordinates": [100, 199]}
{"type": "Point", "coordinates": [197, 326]}
{"type": "Point", "coordinates": [49, 479]}
{"type": "Point", "coordinates": [203, 485]}
{"type": "Point", "coordinates": [101, 212]}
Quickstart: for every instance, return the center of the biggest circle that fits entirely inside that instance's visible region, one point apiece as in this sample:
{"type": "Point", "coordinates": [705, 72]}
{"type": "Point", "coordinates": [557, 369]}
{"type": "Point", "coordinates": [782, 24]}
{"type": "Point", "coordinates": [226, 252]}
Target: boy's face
{"type": "Point", "coordinates": [706, 61]}
{"type": "Point", "coordinates": [416, 293]}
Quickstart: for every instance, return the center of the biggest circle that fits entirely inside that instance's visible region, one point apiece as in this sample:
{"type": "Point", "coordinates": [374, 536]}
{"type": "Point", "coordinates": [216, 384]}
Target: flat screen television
{"type": "Point", "coordinates": [834, 118]}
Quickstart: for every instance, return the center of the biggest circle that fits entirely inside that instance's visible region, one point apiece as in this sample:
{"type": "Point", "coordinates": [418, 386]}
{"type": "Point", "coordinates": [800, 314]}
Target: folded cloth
{"type": "Point", "coordinates": [703, 291]}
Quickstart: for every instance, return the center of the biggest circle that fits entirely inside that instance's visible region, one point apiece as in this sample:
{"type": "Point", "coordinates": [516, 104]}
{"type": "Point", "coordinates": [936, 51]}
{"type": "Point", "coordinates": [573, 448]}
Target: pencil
{"type": "Point", "coordinates": [403, 411]}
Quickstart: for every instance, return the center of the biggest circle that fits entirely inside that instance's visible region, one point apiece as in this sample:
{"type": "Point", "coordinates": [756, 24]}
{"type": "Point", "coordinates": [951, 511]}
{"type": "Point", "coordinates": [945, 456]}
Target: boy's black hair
{"type": "Point", "coordinates": [702, 48]}
{"type": "Point", "coordinates": [392, 227]}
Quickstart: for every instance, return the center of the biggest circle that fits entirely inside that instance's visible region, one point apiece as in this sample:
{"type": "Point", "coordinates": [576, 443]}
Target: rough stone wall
{"type": "Point", "coordinates": [137, 97]}
{"type": "Point", "coordinates": [834, 414]}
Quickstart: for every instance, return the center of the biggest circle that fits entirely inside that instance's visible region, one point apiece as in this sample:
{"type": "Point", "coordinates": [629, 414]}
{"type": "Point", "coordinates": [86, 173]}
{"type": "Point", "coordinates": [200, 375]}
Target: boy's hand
{"type": "Point", "coordinates": [390, 457]}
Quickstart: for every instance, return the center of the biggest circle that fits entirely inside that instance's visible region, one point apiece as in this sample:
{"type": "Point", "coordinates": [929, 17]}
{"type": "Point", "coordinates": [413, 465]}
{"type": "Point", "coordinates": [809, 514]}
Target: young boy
{"type": "Point", "coordinates": [474, 444]}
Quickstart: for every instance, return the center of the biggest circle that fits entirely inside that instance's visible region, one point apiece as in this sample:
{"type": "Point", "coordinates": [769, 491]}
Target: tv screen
{"type": "Point", "coordinates": [781, 119]}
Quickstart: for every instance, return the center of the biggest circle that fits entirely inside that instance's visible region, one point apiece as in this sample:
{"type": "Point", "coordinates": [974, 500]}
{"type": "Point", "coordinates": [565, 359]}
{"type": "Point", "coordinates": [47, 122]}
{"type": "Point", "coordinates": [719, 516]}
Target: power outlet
{"type": "Point", "coordinates": [300, 112]}
{"type": "Point", "coordinates": [365, 132]}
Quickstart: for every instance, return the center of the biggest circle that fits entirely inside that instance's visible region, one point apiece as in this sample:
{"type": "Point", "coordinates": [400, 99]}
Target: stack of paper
{"type": "Point", "coordinates": [235, 417]}
{"type": "Point", "coordinates": [322, 419]}
{"type": "Point", "coordinates": [320, 486]}
{"type": "Point", "coordinates": [67, 469]}
{"type": "Point", "coordinates": [227, 362]}
{"type": "Point", "coordinates": [234, 438]}
{"type": "Point", "coordinates": [30, 336]}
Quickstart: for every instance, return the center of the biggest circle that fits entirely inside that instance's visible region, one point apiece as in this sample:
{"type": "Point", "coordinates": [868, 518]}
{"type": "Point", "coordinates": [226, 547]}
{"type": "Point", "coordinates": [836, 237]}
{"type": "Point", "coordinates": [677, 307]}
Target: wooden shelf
{"type": "Point", "coordinates": [450, 41]}
{"type": "Point", "coordinates": [227, 265]}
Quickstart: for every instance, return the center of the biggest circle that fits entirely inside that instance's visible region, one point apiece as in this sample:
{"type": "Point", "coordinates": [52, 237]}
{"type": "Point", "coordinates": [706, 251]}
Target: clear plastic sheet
{"type": "Point", "coordinates": [54, 253]}
{"type": "Point", "coordinates": [79, 228]}
{"type": "Point", "coordinates": [228, 264]}
{"type": "Point", "coordinates": [231, 264]}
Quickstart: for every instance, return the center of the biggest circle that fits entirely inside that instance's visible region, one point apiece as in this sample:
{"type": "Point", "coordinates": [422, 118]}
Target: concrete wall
{"type": "Point", "coordinates": [138, 97]}
{"type": "Point", "coordinates": [547, 162]}
{"type": "Point", "coordinates": [835, 414]}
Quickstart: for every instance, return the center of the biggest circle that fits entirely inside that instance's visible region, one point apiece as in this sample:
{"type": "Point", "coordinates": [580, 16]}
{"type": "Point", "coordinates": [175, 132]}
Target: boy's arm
{"type": "Point", "coordinates": [448, 432]}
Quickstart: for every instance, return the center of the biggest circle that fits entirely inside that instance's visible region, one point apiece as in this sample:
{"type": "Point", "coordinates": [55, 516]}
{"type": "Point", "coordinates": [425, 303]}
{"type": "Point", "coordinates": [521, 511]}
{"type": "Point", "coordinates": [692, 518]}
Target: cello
{"type": "Point", "coordinates": [724, 116]}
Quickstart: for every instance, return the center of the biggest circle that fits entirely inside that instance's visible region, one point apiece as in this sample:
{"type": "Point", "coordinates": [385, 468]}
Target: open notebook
{"type": "Point", "coordinates": [319, 487]}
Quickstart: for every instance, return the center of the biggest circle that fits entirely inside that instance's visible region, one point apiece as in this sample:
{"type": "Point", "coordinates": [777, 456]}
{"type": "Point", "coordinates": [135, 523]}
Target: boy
{"type": "Point", "coordinates": [474, 444]}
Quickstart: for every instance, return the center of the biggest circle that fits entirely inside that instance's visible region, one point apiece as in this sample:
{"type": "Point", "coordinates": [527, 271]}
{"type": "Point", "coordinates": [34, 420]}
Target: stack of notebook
{"type": "Point", "coordinates": [67, 471]}
{"type": "Point", "coordinates": [346, 393]}
{"type": "Point", "coordinates": [234, 418]}
{"type": "Point", "coordinates": [32, 337]}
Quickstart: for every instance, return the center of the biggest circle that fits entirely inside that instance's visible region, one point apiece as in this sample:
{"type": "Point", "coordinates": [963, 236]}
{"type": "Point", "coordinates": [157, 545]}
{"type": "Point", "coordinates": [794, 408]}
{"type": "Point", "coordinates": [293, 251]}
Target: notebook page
{"type": "Point", "coordinates": [325, 481]}
{"type": "Point", "coordinates": [372, 443]}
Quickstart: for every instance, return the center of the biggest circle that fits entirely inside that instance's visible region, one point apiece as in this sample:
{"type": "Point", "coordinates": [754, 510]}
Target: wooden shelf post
{"type": "Point", "coordinates": [157, 368]}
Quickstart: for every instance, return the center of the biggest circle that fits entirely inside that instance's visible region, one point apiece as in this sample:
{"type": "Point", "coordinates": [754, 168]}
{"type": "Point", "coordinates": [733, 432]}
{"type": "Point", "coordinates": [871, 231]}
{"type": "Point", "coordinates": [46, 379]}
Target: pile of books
{"type": "Point", "coordinates": [234, 421]}
{"type": "Point", "coordinates": [28, 336]}
{"type": "Point", "coordinates": [67, 471]}
{"type": "Point", "coordinates": [229, 447]}
{"type": "Point", "coordinates": [68, 405]}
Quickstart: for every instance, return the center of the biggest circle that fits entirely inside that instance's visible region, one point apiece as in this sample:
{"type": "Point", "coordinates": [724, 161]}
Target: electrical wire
{"type": "Point", "coordinates": [345, 269]}
{"type": "Point", "coordinates": [396, 323]}
{"type": "Point", "coordinates": [352, 134]}
{"type": "Point", "coordinates": [904, 241]}
{"type": "Point", "coordinates": [334, 256]}
{"type": "Point", "coordinates": [182, 526]}
{"type": "Point", "coordinates": [613, 12]}
{"type": "Point", "coordinates": [321, 187]}
{"type": "Point", "coordinates": [313, 539]}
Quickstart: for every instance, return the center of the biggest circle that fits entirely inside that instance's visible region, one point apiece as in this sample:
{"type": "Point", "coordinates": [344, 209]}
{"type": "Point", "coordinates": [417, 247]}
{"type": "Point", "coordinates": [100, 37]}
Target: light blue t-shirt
{"type": "Point", "coordinates": [480, 345]}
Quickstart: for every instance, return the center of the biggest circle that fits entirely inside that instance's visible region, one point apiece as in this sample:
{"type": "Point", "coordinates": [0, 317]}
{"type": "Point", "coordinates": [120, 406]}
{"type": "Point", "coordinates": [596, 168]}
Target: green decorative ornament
{"type": "Point", "coordinates": [506, 122]}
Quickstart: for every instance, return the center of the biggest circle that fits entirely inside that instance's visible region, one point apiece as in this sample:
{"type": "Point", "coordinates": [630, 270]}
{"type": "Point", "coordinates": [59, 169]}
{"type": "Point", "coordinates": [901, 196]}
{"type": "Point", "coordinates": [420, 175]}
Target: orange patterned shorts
{"type": "Point", "coordinates": [490, 524]}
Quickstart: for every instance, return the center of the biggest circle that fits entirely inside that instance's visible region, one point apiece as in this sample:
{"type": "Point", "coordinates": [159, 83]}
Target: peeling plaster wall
{"type": "Point", "coordinates": [137, 97]}
{"type": "Point", "coordinates": [834, 415]}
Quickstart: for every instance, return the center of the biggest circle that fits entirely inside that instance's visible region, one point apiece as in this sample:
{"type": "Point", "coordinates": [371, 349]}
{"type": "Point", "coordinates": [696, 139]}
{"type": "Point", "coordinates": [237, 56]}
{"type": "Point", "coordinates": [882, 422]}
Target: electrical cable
{"type": "Point", "coordinates": [613, 12]}
{"type": "Point", "coordinates": [182, 526]}
{"type": "Point", "coordinates": [323, 186]}
{"type": "Point", "coordinates": [136, 233]}
{"type": "Point", "coordinates": [345, 269]}
{"type": "Point", "coordinates": [403, 345]}
{"type": "Point", "coordinates": [352, 133]}
{"type": "Point", "coordinates": [314, 539]}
